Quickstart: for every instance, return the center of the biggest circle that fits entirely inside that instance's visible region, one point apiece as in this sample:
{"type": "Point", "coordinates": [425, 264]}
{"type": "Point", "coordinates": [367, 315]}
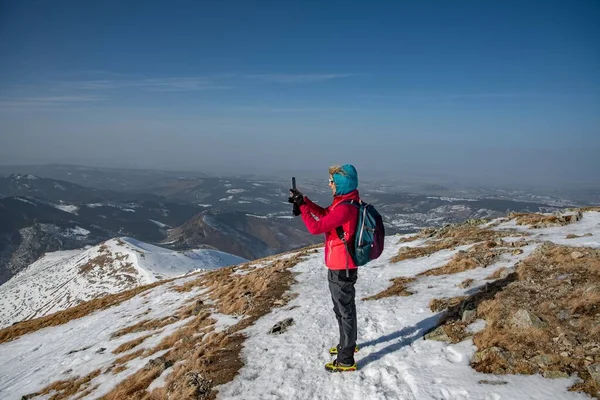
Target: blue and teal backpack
{"type": "Point", "coordinates": [369, 236]}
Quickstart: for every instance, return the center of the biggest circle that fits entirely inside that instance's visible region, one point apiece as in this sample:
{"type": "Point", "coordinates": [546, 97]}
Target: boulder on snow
{"type": "Point", "coordinates": [555, 374]}
{"type": "Point", "coordinates": [281, 326]}
{"type": "Point", "coordinates": [438, 334]}
{"type": "Point", "coordinates": [469, 316]}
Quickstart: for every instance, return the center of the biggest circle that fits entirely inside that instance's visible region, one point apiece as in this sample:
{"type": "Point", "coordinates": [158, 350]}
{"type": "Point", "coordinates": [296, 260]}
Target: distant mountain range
{"type": "Point", "coordinates": [39, 215]}
{"type": "Point", "coordinates": [246, 217]}
{"type": "Point", "coordinates": [250, 236]}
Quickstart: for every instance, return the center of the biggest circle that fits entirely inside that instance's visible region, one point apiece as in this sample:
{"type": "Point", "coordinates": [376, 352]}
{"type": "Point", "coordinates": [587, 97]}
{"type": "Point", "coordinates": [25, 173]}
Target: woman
{"type": "Point", "coordinates": [342, 272]}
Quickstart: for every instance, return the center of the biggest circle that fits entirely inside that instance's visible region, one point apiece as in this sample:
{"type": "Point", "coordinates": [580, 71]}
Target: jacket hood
{"type": "Point", "coordinates": [345, 181]}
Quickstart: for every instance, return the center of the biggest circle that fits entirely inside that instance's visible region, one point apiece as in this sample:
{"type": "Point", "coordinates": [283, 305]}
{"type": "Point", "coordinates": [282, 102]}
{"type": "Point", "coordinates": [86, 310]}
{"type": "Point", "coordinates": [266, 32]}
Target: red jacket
{"type": "Point", "coordinates": [344, 215]}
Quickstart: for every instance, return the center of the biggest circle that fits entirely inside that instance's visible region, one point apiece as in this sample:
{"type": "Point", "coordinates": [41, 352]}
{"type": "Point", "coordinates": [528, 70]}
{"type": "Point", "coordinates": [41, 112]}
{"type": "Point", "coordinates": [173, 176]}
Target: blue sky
{"type": "Point", "coordinates": [460, 90]}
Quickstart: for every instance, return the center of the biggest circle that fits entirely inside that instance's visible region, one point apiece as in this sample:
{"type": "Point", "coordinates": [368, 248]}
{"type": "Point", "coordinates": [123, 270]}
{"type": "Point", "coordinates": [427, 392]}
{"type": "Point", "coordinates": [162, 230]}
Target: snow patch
{"type": "Point", "coordinates": [78, 231]}
{"type": "Point", "coordinates": [67, 208]}
{"type": "Point", "coordinates": [160, 224]}
{"type": "Point", "coordinates": [256, 216]}
{"type": "Point", "coordinates": [26, 201]}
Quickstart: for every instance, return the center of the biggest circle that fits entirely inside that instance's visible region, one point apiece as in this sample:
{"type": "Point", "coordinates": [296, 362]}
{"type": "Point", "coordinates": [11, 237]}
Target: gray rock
{"type": "Point", "coordinates": [469, 316]}
{"type": "Point", "coordinates": [198, 307]}
{"type": "Point", "coordinates": [466, 283]}
{"type": "Point", "coordinates": [526, 319]}
{"type": "Point", "coordinates": [161, 362]}
{"type": "Point", "coordinates": [486, 382]}
{"type": "Point", "coordinates": [576, 254]}
{"type": "Point", "coordinates": [592, 289]}
{"type": "Point", "coordinates": [506, 272]}
{"type": "Point", "coordinates": [555, 374]}
{"type": "Point", "coordinates": [543, 360]}
{"type": "Point", "coordinates": [281, 326]}
{"type": "Point", "coordinates": [438, 334]}
{"type": "Point", "coordinates": [200, 386]}
{"type": "Point", "coordinates": [564, 315]}
{"type": "Point", "coordinates": [594, 371]}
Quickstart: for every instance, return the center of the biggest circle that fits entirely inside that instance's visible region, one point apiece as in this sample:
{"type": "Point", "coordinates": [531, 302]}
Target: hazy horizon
{"type": "Point", "coordinates": [465, 92]}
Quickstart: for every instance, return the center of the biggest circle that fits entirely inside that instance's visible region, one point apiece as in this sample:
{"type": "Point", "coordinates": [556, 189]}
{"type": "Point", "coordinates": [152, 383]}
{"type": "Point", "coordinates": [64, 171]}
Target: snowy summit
{"type": "Point", "coordinates": [501, 309]}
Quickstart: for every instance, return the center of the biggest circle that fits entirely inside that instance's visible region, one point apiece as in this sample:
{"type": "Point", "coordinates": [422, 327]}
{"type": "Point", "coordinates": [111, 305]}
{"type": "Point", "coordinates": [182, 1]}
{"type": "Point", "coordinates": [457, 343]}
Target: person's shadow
{"type": "Point", "coordinates": [409, 334]}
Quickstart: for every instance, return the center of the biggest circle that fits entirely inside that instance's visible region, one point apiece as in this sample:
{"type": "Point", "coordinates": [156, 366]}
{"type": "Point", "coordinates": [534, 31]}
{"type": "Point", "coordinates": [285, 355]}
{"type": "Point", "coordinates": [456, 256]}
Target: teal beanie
{"type": "Point", "coordinates": [346, 180]}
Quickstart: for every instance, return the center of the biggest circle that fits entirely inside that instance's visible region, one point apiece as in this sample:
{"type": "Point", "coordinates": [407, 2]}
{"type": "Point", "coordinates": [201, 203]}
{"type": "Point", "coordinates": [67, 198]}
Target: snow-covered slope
{"type": "Point", "coordinates": [394, 362]}
{"type": "Point", "coordinates": [62, 279]}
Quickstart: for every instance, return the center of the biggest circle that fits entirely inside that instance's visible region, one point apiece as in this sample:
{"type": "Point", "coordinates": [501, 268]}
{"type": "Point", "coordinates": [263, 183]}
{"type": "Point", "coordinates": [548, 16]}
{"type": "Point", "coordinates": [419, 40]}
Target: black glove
{"type": "Point", "coordinates": [297, 199]}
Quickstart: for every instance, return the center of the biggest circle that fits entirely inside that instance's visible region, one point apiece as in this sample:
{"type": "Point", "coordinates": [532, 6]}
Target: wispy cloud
{"type": "Point", "coordinates": [298, 78]}
{"type": "Point", "coordinates": [180, 84]}
{"type": "Point", "coordinates": [151, 84]}
{"type": "Point", "coordinates": [48, 101]}
{"type": "Point", "coordinates": [453, 96]}
{"type": "Point", "coordinates": [84, 86]}
{"type": "Point", "coordinates": [292, 110]}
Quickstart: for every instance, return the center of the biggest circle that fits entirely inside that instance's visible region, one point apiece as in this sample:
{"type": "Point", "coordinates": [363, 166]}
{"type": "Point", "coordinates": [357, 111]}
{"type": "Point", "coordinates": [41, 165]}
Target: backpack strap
{"type": "Point", "coordinates": [340, 229]}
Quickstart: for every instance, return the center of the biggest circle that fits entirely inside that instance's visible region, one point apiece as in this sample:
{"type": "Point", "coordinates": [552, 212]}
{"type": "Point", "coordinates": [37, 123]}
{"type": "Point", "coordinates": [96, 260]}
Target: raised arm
{"type": "Point", "coordinates": [334, 218]}
{"type": "Point", "coordinates": [314, 208]}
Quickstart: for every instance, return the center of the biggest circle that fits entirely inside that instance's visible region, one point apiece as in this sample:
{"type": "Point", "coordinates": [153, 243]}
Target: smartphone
{"type": "Point", "coordinates": [294, 182]}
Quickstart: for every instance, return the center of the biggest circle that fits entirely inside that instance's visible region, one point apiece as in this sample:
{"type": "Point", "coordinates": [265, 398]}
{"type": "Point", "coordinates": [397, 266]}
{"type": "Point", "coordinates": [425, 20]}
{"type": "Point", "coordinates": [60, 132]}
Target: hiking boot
{"type": "Point", "coordinates": [334, 350]}
{"type": "Point", "coordinates": [335, 366]}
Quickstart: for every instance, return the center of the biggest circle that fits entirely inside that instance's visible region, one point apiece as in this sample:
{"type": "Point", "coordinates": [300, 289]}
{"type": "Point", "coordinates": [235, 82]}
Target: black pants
{"type": "Point", "coordinates": [342, 294]}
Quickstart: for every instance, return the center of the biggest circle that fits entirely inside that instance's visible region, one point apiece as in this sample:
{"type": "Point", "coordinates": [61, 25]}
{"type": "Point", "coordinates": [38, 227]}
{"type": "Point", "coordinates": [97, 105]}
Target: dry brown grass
{"type": "Point", "coordinates": [86, 392]}
{"type": "Point", "coordinates": [146, 325]}
{"type": "Point", "coordinates": [450, 237]}
{"type": "Point", "coordinates": [398, 288]}
{"type": "Point", "coordinates": [558, 285]}
{"type": "Point", "coordinates": [437, 305]}
{"type": "Point", "coordinates": [65, 389]}
{"type": "Point", "coordinates": [117, 369]}
{"type": "Point", "coordinates": [70, 314]}
{"type": "Point", "coordinates": [408, 239]}
{"type": "Point", "coordinates": [497, 274]}
{"type": "Point", "coordinates": [128, 357]}
{"type": "Point", "coordinates": [212, 358]}
{"type": "Point", "coordinates": [134, 388]}
{"type": "Point", "coordinates": [543, 221]}
{"type": "Point", "coordinates": [130, 345]}
{"type": "Point", "coordinates": [479, 255]}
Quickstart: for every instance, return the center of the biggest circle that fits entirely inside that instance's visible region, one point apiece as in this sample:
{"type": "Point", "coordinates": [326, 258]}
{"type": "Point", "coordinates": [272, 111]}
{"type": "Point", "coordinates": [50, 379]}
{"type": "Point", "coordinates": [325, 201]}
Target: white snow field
{"type": "Point", "coordinates": [62, 279]}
